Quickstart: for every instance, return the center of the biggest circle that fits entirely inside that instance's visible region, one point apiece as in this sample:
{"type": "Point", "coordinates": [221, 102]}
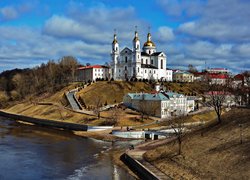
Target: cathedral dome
{"type": "Point", "coordinates": [149, 43]}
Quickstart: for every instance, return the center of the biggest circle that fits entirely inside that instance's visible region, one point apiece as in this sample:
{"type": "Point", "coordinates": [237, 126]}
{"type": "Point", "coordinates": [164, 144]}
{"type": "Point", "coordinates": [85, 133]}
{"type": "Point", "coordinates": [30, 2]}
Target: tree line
{"type": "Point", "coordinates": [48, 77]}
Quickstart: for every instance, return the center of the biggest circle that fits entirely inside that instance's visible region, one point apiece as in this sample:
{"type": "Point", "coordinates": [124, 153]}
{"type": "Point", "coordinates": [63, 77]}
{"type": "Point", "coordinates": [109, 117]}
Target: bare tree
{"type": "Point", "coordinates": [178, 126]}
{"type": "Point", "coordinates": [192, 68]}
{"type": "Point", "coordinates": [217, 94]}
{"type": "Point", "coordinates": [98, 104]}
{"type": "Point", "coordinates": [115, 115]}
{"type": "Point", "coordinates": [143, 107]}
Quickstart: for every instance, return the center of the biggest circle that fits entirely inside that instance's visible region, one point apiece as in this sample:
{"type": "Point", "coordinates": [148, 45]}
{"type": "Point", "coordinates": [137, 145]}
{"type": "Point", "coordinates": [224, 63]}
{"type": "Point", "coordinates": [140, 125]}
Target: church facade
{"type": "Point", "coordinates": [145, 63]}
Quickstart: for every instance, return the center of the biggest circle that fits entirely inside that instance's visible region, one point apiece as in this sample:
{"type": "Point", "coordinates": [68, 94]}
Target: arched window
{"type": "Point", "coordinates": [161, 64]}
{"type": "Point", "coordinates": [152, 61]}
{"type": "Point", "coordinates": [138, 70]}
{"type": "Point", "coordinates": [126, 59]}
{"type": "Point", "coordinates": [137, 47]}
{"type": "Point", "coordinates": [125, 68]}
{"type": "Point", "coordinates": [149, 52]}
{"type": "Point", "coordinates": [146, 61]}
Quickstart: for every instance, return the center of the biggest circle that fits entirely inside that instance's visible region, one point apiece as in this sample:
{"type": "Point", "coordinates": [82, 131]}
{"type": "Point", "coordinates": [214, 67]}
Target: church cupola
{"type": "Point", "coordinates": [149, 45]}
{"type": "Point", "coordinates": [115, 45]}
{"type": "Point", "coordinates": [136, 42]}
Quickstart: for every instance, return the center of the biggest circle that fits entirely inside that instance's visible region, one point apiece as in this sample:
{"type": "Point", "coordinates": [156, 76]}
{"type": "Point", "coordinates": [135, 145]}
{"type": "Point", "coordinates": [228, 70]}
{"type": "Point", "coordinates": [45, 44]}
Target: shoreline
{"type": "Point", "coordinates": [103, 135]}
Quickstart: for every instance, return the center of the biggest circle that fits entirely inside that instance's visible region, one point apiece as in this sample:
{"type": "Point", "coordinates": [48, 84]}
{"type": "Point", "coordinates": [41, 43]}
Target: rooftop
{"type": "Point", "coordinates": [91, 67]}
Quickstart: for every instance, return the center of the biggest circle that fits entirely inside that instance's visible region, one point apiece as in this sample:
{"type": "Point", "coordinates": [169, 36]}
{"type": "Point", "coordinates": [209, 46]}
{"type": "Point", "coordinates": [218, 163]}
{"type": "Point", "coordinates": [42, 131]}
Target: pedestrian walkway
{"type": "Point", "coordinates": [138, 152]}
{"type": "Point", "coordinates": [72, 101]}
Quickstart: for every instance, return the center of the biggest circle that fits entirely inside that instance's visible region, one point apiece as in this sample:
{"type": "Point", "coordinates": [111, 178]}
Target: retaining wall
{"type": "Point", "coordinates": [45, 122]}
{"type": "Point", "coordinates": [138, 168]}
{"type": "Point", "coordinates": [129, 134]}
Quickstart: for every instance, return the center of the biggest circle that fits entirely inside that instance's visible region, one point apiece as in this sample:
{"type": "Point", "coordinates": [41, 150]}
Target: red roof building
{"type": "Point", "coordinates": [91, 73]}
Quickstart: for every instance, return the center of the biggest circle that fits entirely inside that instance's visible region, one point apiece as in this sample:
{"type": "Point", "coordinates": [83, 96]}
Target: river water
{"type": "Point", "coordinates": [31, 152]}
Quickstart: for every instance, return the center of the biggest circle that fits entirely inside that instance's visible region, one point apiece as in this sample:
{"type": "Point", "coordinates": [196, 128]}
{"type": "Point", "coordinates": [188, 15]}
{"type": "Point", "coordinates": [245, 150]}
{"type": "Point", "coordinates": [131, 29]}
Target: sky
{"type": "Point", "coordinates": [204, 33]}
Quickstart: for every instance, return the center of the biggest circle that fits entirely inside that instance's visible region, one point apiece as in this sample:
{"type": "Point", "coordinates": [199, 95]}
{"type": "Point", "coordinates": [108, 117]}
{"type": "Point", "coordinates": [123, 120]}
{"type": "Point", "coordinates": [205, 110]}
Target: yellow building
{"type": "Point", "coordinates": [183, 76]}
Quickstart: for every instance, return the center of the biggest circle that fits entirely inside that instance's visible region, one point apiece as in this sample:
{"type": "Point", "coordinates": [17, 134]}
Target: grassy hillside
{"type": "Point", "coordinates": [52, 107]}
{"type": "Point", "coordinates": [111, 92]}
{"type": "Point", "coordinates": [114, 91]}
{"type": "Point", "coordinates": [218, 154]}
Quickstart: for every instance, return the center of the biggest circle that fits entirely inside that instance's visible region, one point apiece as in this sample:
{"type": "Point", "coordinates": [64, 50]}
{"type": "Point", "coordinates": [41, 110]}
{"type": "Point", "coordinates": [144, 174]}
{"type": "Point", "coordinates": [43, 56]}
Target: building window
{"type": "Point", "coordinates": [150, 71]}
{"type": "Point", "coordinates": [146, 61]}
{"type": "Point", "coordinates": [152, 61]}
{"type": "Point", "coordinates": [126, 59]}
{"type": "Point", "coordinates": [138, 70]}
{"type": "Point", "coordinates": [125, 68]}
{"type": "Point", "coordinates": [119, 70]}
{"type": "Point", "coordinates": [141, 61]}
{"type": "Point", "coordinates": [161, 63]}
{"type": "Point", "coordinates": [137, 47]}
{"type": "Point", "coordinates": [145, 71]}
{"type": "Point", "coordinates": [149, 52]}
{"type": "Point", "coordinates": [138, 56]}
{"type": "Point", "coordinates": [154, 71]}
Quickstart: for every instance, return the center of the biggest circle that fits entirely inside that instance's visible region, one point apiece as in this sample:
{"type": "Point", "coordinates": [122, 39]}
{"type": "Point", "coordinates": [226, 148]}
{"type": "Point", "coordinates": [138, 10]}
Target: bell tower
{"type": "Point", "coordinates": [136, 54]}
{"type": "Point", "coordinates": [114, 55]}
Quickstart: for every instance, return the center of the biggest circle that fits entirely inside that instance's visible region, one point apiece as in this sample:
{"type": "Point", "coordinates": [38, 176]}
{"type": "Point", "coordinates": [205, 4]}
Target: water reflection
{"type": "Point", "coordinates": [31, 152]}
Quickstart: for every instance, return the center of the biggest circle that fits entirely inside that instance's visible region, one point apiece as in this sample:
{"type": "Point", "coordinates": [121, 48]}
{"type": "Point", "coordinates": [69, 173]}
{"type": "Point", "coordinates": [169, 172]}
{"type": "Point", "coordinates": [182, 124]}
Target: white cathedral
{"type": "Point", "coordinates": [136, 63]}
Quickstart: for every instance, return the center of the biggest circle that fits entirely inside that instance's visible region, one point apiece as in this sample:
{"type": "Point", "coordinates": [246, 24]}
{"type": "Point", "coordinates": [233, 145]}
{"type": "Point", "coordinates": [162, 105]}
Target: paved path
{"type": "Point", "coordinates": [140, 149]}
{"type": "Point", "coordinates": [75, 105]}
{"type": "Point", "coordinates": [72, 101]}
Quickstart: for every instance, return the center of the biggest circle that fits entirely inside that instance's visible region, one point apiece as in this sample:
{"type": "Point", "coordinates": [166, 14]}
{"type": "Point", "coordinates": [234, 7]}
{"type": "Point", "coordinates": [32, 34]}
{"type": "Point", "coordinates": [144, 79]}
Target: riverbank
{"type": "Point", "coordinates": [114, 151]}
{"type": "Point", "coordinates": [23, 147]}
{"type": "Point", "coordinates": [216, 152]}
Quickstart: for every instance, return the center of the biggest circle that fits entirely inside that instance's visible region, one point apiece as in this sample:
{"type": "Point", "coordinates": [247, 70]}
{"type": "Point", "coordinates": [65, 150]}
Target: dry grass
{"type": "Point", "coordinates": [217, 154]}
{"type": "Point", "coordinates": [127, 117]}
{"type": "Point", "coordinates": [56, 111]}
{"type": "Point", "coordinates": [114, 91]}
{"type": "Point", "coordinates": [111, 92]}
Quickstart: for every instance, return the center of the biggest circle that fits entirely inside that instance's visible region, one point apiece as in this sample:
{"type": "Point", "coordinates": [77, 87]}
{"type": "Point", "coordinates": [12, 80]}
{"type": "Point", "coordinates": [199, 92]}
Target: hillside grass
{"type": "Point", "coordinates": [113, 92]}
{"type": "Point", "coordinates": [38, 107]}
{"type": "Point", "coordinates": [110, 92]}
{"type": "Point", "coordinates": [213, 153]}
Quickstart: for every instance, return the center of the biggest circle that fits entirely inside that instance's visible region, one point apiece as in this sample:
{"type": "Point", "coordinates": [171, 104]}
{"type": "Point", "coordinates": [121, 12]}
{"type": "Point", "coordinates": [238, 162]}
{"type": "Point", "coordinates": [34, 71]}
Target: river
{"type": "Point", "coordinates": [31, 152]}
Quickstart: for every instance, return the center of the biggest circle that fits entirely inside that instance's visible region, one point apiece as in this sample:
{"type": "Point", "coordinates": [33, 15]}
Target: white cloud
{"type": "Point", "coordinates": [220, 23]}
{"type": "Point", "coordinates": [165, 34]}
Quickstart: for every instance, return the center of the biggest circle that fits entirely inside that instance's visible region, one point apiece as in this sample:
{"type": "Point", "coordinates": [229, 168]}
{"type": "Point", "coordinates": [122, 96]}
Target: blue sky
{"type": "Point", "coordinates": [189, 32]}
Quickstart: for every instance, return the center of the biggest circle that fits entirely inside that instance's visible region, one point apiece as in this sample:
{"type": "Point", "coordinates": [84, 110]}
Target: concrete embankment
{"type": "Point", "coordinates": [138, 168]}
{"type": "Point", "coordinates": [45, 122]}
